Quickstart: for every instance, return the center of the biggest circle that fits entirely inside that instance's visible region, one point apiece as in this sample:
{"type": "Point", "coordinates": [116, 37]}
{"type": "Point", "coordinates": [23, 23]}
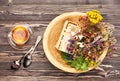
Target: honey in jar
{"type": "Point", "coordinates": [20, 35]}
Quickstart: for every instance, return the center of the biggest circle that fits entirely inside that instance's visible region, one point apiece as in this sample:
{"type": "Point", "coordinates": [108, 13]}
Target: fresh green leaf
{"type": "Point", "coordinates": [65, 56]}
{"type": "Point", "coordinates": [73, 63]}
{"type": "Point", "coordinates": [79, 63]}
{"type": "Point", "coordinates": [80, 59]}
{"type": "Point", "coordinates": [78, 66]}
{"type": "Point", "coordinates": [84, 66]}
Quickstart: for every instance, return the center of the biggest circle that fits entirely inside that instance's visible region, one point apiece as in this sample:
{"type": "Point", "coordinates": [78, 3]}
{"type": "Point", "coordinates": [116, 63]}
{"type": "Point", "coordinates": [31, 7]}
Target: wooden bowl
{"type": "Point", "coordinates": [51, 37]}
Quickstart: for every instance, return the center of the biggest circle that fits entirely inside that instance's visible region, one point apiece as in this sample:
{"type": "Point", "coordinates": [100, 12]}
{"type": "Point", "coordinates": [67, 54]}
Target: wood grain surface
{"type": "Point", "coordinates": [37, 14]}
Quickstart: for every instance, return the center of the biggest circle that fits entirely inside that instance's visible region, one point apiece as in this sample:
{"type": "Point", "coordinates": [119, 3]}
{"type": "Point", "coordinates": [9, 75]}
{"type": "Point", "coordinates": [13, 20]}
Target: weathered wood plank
{"type": "Point", "coordinates": [103, 1]}
{"type": "Point", "coordinates": [34, 66]}
{"type": "Point", "coordinates": [27, 17]}
{"type": "Point", "coordinates": [47, 17]}
{"type": "Point", "coordinates": [44, 64]}
{"type": "Point", "coordinates": [58, 74]}
{"type": "Point", "coordinates": [48, 12]}
{"type": "Point", "coordinates": [66, 2]}
{"type": "Point", "coordinates": [49, 2]}
{"type": "Point", "coordinates": [8, 48]}
{"type": "Point", "coordinates": [3, 2]}
{"type": "Point", "coordinates": [3, 9]}
{"type": "Point", "coordinates": [48, 78]}
{"type": "Point", "coordinates": [31, 23]}
{"type": "Point", "coordinates": [16, 78]}
{"type": "Point", "coordinates": [42, 23]}
{"type": "Point", "coordinates": [56, 9]}
{"type": "Point", "coordinates": [38, 56]}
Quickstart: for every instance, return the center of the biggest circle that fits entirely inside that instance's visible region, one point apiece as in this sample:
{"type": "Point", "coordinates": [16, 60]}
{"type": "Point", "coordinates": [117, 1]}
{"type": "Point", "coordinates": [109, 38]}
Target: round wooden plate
{"type": "Point", "coordinates": [51, 37]}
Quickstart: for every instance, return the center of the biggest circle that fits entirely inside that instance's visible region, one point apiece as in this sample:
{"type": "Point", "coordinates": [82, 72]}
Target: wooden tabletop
{"type": "Point", "coordinates": [38, 14]}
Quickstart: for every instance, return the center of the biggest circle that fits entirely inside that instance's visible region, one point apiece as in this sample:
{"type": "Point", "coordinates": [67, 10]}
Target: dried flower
{"type": "Point", "coordinates": [99, 43]}
{"type": "Point", "coordinates": [112, 40]}
{"type": "Point", "coordinates": [16, 65]}
{"type": "Point", "coordinates": [114, 48]}
{"type": "Point", "coordinates": [71, 41]}
{"type": "Point", "coordinates": [94, 16]}
{"type": "Point", "coordinates": [107, 26]}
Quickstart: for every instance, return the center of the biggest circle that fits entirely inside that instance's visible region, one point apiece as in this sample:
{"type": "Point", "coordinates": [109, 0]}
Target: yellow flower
{"type": "Point", "coordinates": [91, 64]}
{"type": "Point", "coordinates": [94, 16]}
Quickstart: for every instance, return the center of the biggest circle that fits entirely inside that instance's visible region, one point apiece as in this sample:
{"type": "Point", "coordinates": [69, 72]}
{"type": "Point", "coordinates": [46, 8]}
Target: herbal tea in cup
{"type": "Point", "coordinates": [19, 35]}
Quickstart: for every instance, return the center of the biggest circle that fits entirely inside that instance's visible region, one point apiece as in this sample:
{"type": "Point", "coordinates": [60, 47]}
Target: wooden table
{"type": "Point", "coordinates": [37, 14]}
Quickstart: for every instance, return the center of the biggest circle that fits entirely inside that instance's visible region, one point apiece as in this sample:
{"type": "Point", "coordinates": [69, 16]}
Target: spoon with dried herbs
{"type": "Point", "coordinates": [27, 58]}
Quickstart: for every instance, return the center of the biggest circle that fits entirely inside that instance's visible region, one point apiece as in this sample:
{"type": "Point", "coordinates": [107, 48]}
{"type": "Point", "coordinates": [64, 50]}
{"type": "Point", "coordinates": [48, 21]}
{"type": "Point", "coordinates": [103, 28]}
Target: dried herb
{"type": "Point", "coordinates": [16, 65]}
